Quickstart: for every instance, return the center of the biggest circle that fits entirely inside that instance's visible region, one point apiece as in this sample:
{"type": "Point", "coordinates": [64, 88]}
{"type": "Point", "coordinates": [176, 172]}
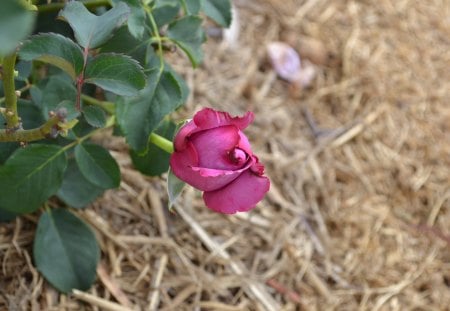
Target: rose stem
{"type": "Point", "coordinates": [12, 119]}
{"type": "Point", "coordinates": [161, 142]}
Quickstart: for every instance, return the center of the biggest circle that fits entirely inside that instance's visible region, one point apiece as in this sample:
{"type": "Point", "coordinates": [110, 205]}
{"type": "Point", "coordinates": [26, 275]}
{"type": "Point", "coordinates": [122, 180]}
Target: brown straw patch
{"type": "Point", "coordinates": [359, 210]}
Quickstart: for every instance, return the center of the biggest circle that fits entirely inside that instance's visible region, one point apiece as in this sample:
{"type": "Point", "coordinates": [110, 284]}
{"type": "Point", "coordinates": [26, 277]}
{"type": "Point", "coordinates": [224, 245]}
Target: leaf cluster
{"type": "Point", "coordinates": [82, 67]}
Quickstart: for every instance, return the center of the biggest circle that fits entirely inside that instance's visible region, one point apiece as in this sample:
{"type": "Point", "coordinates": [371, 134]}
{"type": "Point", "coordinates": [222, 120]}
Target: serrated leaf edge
{"type": "Point", "coordinates": [73, 73]}
{"type": "Point", "coordinates": [135, 62]}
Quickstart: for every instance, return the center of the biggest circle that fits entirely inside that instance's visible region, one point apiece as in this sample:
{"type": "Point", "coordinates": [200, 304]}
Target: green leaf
{"type": "Point", "coordinates": [30, 176]}
{"type": "Point", "coordinates": [219, 11]}
{"type": "Point", "coordinates": [30, 115]}
{"type": "Point", "coordinates": [91, 30]}
{"type": "Point", "coordinates": [6, 216]}
{"type": "Point", "coordinates": [165, 12]}
{"type": "Point", "coordinates": [193, 6]}
{"type": "Point", "coordinates": [188, 34]}
{"type": "Point", "coordinates": [174, 188]}
{"type": "Point", "coordinates": [82, 128]}
{"type": "Point", "coordinates": [36, 92]}
{"type": "Point", "coordinates": [69, 105]}
{"type": "Point", "coordinates": [76, 191]}
{"type": "Point", "coordinates": [140, 115]}
{"type": "Point", "coordinates": [16, 23]}
{"type": "Point", "coordinates": [49, 22]}
{"type": "Point", "coordinates": [155, 161]}
{"type": "Point", "coordinates": [183, 85]}
{"type": "Point", "coordinates": [123, 42]}
{"type": "Point", "coordinates": [119, 74]}
{"type": "Point", "coordinates": [65, 251]}
{"type": "Point", "coordinates": [97, 166]}
{"type": "Point", "coordinates": [53, 93]}
{"type": "Point", "coordinates": [95, 116]}
{"type": "Point", "coordinates": [54, 49]}
{"type": "Point", "coordinates": [6, 149]}
{"type": "Point", "coordinates": [136, 20]}
{"type": "Point", "coordinates": [24, 68]}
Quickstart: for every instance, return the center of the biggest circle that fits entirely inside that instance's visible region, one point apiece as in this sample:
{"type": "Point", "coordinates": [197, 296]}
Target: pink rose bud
{"type": "Point", "coordinates": [213, 155]}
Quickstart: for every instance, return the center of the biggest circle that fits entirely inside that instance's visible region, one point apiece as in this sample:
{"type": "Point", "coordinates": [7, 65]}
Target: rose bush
{"type": "Point", "coordinates": [213, 155]}
{"type": "Point", "coordinates": [119, 48]}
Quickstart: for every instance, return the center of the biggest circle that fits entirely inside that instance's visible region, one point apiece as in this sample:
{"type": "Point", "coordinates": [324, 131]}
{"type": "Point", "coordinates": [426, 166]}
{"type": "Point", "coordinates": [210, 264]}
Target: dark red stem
{"type": "Point", "coordinates": [80, 79]}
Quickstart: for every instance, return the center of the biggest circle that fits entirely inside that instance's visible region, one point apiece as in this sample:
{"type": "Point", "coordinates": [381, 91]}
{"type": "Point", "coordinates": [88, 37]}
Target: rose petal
{"type": "Point", "coordinates": [187, 157]}
{"type": "Point", "coordinates": [208, 179]}
{"type": "Point", "coordinates": [184, 132]}
{"type": "Point", "coordinates": [244, 144]}
{"type": "Point", "coordinates": [257, 167]}
{"type": "Point", "coordinates": [208, 118]}
{"type": "Point", "coordinates": [213, 147]}
{"type": "Point", "coordinates": [205, 179]}
{"type": "Point", "coordinates": [239, 196]}
{"type": "Point", "coordinates": [238, 156]}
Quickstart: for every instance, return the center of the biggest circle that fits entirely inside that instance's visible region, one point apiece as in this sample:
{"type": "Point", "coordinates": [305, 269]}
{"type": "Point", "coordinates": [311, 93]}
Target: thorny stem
{"type": "Point", "coordinates": [14, 131]}
{"type": "Point", "coordinates": [11, 116]}
{"type": "Point", "coordinates": [21, 90]}
{"type": "Point", "coordinates": [56, 6]}
{"type": "Point", "coordinates": [38, 133]}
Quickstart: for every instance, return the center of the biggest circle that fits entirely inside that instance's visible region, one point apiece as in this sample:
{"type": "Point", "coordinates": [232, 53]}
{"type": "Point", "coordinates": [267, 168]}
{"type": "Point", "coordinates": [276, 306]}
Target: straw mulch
{"type": "Point", "coordinates": [359, 210]}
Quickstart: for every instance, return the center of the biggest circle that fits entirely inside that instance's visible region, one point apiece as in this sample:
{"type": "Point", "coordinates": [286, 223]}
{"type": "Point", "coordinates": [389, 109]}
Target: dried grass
{"type": "Point", "coordinates": [358, 214]}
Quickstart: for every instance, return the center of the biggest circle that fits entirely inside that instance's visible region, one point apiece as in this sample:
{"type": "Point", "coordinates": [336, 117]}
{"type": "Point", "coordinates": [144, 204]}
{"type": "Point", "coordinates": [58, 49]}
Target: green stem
{"type": "Point", "coordinates": [155, 31]}
{"type": "Point", "coordinates": [110, 122]}
{"type": "Point", "coordinates": [56, 6]}
{"type": "Point", "coordinates": [9, 88]}
{"type": "Point", "coordinates": [21, 90]}
{"type": "Point", "coordinates": [38, 133]}
{"type": "Point", "coordinates": [161, 142]}
{"type": "Point", "coordinates": [184, 5]}
{"type": "Point", "coordinates": [107, 106]}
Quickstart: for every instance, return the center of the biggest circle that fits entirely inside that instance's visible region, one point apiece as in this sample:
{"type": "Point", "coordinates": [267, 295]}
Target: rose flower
{"type": "Point", "coordinates": [213, 155]}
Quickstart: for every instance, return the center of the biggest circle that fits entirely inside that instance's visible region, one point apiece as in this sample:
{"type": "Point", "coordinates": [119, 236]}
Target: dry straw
{"type": "Point", "coordinates": [359, 210]}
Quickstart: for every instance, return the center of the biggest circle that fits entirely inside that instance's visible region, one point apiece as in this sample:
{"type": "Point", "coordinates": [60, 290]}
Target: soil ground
{"type": "Point", "coordinates": [358, 215]}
